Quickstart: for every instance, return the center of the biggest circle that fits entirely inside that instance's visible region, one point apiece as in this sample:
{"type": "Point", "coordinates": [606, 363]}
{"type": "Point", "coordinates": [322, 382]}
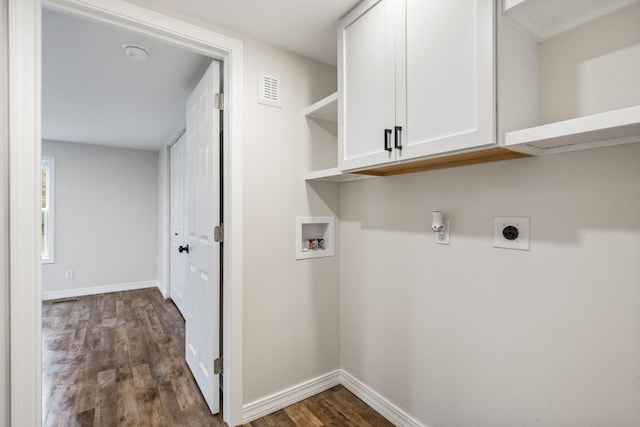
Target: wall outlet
{"type": "Point", "coordinates": [511, 233]}
{"type": "Point", "coordinates": [68, 274]}
{"type": "Point", "coordinates": [442, 237]}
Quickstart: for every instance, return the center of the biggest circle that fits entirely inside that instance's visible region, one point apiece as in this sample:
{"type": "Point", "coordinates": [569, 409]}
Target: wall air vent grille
{"type": "Point", "coordinates": [269, 90]}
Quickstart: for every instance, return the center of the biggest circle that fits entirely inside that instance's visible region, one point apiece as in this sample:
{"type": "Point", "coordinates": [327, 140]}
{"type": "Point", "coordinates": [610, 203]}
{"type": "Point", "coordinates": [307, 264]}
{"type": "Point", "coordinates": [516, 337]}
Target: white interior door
{"type": "Point", "coordinates": [203, 206]}
{"type": "Point", "coordinates": [178, 238]}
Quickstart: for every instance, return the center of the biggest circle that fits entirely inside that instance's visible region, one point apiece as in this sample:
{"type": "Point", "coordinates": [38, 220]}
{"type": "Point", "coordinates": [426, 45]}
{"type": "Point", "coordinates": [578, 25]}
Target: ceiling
{"type": "Point", "coordinates": [307, 27]}
{"type": "Point", "coordinates": [93, 93]}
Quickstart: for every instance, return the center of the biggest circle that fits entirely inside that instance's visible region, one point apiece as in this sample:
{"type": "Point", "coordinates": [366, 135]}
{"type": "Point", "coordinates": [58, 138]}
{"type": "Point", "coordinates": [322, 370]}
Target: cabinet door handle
{"type": "Point", "coordinates": [398, 137]}
{"type": "Point", "coordinates": [387, 136]}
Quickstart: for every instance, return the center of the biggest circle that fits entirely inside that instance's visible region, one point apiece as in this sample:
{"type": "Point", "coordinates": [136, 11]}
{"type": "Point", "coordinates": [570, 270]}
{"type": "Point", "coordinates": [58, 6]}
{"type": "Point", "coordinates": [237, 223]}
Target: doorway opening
{"type": "Point", "coordinates": [105, 113]}
{"type": "Point", "coordinates": [24, 143]}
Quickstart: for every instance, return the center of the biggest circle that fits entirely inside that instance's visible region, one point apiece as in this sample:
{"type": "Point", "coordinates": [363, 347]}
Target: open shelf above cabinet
{"type": "Point", "coordinates": [334, 175]}
{"type": "Point", "coordinates": [325, 109]}
{"type": "Point", "coordinates": [545, 18]}
{"type": "Point", "coordinates": [610, 128]}
{"type": "Point", "coordinates": [576, 90]}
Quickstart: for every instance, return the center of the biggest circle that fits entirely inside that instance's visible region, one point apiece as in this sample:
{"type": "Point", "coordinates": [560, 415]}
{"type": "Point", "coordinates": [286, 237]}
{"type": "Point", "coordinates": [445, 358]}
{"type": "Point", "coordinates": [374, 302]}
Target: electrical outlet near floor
{"type": "Point", "coordinates": [68, 274]}
{"type": "Point", "coordinates": [511, 233]}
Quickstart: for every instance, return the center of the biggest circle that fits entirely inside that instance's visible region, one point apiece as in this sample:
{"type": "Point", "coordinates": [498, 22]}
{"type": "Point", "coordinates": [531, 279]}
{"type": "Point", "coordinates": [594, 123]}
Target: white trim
{"type": "Point", "coordinates": [51, 210]}
{"type": "Point", "coordinates": [95, 290]}
{"type": "Point", "coordinates": [25, 272]}
{"type": "Point", "coordinates": [275, 402]}
{"type": "Point", "coordinates": [5, 383]}
{"type": "Point", "coordinates": [374, 399]}
{"type": "Point", "coordinates": [164, 228]}
{"type": "Point", "coordinates": [25, 280]}
{"type": "Point", "coordinates": [232, 249]}
{"type": "Point", "coordinates": [284, 398]}
{"type": "Point", "coordinates": [164, 290]}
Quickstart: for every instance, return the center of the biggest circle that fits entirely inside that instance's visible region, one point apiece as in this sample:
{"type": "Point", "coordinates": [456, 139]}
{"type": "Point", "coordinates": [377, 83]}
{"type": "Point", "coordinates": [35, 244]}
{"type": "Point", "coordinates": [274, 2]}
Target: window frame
{"type": "Point", "coordinates": [47, 256]}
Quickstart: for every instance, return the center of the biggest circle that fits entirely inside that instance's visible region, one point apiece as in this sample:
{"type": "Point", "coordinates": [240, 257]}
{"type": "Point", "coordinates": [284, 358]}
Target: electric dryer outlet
{"type": "Point", "coordinates": [511, 233]}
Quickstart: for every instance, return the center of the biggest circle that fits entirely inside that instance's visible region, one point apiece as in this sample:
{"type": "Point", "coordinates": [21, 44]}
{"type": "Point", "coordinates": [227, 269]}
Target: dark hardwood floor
{"type": "Point", "coordinates": [334, 407]}
{"type": "Point", "coordinates": [117, 359]}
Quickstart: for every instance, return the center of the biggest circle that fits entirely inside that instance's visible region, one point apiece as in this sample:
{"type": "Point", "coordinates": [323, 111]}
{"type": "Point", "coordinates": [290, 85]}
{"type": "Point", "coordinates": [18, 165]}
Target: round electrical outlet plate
{"type": "Point", "coordinates": [510, 232]}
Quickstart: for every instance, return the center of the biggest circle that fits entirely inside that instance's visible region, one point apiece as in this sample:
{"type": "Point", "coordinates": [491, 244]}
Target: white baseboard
{"type": "Point", "coordinates": [70, 293]}
{"type": "Point", "coordinates": [275, 402]}
{"type": "Point", "coordinates": [163, 289]}
{"type": "Point", "coordinates": [387, 409]}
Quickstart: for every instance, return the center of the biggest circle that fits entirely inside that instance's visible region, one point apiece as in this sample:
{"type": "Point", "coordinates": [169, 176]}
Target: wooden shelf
{"type": "Point", "coordinates": [545, 18]}
{"type": "Point", "coordinates": [610, 128]}
{"type": "Point", "coordinates": [334, 175]}
{"type": "Point", "coordinates": [325, 109]}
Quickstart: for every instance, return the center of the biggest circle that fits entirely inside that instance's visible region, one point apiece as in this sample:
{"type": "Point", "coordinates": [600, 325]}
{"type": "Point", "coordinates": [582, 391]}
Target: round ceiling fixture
{"type": "Point", "coordinates": [134, 52]}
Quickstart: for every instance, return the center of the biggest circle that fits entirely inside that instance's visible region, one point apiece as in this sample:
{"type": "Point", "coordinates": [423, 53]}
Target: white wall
{"type": "Point", "coordinates": [466, 334]}
{"type": "Point", "coordinates": [164, 219]}
{"type": "Point", "coordinates": [291, 308]}
{"type": "Point", "coordinates": [591, 69]}
{"type": "Point", "coordinates": [106, 219]}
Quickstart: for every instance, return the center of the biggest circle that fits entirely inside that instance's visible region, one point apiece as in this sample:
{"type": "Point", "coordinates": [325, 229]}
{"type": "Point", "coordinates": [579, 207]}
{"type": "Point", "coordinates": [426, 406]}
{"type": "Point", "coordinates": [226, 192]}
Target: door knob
{"type": "Point", "coordinates": [184, 248]}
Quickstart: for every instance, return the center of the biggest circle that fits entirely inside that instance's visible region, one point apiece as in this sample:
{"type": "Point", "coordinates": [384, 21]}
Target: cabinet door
{"type": "Point", "coordinates": [445, 68]}
{"type": "Point", "coordinates": [366, 84]}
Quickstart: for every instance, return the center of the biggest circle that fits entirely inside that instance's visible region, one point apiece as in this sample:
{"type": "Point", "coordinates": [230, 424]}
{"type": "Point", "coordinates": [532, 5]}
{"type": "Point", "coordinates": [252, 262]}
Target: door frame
{"type": "Point", "coordinates": [170, 259]}
{"type": "Point", "coordinates": [25, 281]}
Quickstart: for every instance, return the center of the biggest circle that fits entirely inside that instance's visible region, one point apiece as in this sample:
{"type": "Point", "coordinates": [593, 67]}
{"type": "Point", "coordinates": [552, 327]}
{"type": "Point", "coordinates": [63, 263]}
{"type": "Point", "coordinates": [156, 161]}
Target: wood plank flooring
{"type": "Point", "coordinates": [334, 407]}
{"type": "Point", "coordinates": [117, 359]}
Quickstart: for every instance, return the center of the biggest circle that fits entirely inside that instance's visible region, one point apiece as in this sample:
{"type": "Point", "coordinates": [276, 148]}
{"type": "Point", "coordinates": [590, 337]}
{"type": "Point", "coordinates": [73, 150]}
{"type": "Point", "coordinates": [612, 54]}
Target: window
{"type": "Point", "coordinates": [47, 174]}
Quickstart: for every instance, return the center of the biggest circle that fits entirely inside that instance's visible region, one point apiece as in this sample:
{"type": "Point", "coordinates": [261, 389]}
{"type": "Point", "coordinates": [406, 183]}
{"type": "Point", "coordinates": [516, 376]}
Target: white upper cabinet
{"type": "Point", "coordinates": [366, 85]}
{"type": "Point", "coordinates": [440, 83]}
{"type": "Point", "coordinates": [415, 79]}
{"type": "Point", "coordinates": [444, 71]}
